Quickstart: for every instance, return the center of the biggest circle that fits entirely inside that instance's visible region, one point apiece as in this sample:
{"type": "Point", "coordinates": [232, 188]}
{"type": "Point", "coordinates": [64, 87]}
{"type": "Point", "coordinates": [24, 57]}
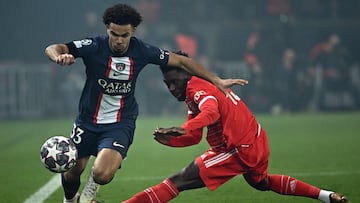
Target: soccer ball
{"type": "Point", "coordinates": [58, 154]}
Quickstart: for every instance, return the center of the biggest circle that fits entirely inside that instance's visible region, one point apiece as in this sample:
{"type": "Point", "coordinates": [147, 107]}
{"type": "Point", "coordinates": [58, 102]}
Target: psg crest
{"type": "Point", "coordinates": [120, 66]}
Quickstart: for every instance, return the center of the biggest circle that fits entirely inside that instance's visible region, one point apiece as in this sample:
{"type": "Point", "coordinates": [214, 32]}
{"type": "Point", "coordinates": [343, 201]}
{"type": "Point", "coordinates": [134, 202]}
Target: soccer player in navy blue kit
{"type": "Point", "coordinates": [108, 110]}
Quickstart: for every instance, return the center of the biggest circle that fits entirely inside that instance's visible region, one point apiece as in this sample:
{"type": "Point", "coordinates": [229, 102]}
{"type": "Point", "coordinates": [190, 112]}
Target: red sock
{"type": "Point", "coordinates": [161, 193]}
{"type": "Point", "coordinates": [287, 185]}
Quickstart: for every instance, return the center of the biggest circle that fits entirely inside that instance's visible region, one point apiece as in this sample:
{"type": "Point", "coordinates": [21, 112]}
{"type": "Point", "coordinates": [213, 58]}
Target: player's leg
{"type": "Point", "coordinates": [187, 178]}
{"type": "Point", "coordinates": [211, 169]}
{"type": "Point", "coordinates": [287, 185]}
{"type": "Point", "coordinates": [160, 193]}
{"type": "Point", "coordinates": [71, 181]}
{"type": "Point", "coordinates": [113, 143]}
{"type": "Point", "coordinates": [85, 141]}
{"type": "Point", "coordinates": [105, 166]}
{"type": "Point", "coordinates": [103, 171]}
{"type": "Point", "coordinates": [259, 178]}
{"type": "Point", "coordinates": [284, 185]}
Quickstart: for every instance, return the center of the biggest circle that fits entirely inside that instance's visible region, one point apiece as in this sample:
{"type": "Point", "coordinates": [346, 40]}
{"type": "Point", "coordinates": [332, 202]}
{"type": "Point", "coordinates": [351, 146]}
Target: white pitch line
{"type": "Point", "coordinates": [55, 182]}
{"type": "Point", "coordinates": [45, 191]}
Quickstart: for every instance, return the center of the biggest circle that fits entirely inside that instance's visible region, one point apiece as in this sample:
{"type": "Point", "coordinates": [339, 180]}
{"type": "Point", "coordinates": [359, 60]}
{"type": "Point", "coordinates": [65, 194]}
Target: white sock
{"type": "Point", "coordinates": [325, 196]}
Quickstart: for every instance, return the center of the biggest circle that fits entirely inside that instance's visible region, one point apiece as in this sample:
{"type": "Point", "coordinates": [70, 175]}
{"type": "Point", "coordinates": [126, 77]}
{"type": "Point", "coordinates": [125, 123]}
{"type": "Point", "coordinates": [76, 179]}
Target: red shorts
{"type": "Point", "coordinates": [251, 160]}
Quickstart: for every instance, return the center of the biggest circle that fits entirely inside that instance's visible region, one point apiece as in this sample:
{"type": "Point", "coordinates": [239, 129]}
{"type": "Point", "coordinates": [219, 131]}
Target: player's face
{"type": "Point", "coordinates": [176, 83]}
{"type": "Point", "coordinates": [119, 37]}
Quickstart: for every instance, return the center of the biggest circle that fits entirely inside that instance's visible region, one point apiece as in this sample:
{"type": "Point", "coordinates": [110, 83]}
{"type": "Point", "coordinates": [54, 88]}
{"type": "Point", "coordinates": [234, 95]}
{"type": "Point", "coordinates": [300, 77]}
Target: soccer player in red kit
{"type": "Point", "coordinates": [238, 145]}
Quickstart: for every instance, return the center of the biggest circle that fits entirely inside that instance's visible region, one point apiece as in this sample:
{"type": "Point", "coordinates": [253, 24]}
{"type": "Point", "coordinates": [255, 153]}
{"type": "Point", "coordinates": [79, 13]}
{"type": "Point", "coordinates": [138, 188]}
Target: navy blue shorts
{"type": "Point", "coordinates": [91, 138]}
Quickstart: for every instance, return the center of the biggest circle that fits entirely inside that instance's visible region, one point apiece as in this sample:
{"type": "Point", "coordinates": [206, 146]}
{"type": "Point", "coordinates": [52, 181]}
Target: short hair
{"type": "Point", "coordinates": [166, 68]}
{"type": "Point", "coordinates": [122, 14]}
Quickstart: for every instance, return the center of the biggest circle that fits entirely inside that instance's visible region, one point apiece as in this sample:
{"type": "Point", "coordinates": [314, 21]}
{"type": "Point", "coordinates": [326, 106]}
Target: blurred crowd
{"type": "Point", "coordinates": [325, 78]}
{"type": "Point", "coordinates": [297, 55]}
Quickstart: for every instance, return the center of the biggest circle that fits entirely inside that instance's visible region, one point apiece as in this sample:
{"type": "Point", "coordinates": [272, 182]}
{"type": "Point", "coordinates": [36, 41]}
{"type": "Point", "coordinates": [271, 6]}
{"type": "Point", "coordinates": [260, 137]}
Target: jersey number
{"type": "Point", "coordinates": [76, 134]}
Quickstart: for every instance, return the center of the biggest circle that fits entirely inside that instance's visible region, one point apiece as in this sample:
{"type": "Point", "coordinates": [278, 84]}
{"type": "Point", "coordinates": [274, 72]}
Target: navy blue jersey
{"type": "Point", "coordinates": [109, 91]}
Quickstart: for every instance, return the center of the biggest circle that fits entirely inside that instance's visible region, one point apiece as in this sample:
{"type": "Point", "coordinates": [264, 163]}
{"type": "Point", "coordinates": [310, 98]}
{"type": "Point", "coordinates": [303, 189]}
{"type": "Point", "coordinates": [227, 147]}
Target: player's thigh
{"type": "Point", "coordinates": [258, 170]}
{"type": "Point", "coordinates": [216, 168]}
{"type": "Point", "coordinates": [85, 141]}
{"type": "Point", "coordinates": [107, 161]}
{"type": "Point", "coordinates": [118, 137]}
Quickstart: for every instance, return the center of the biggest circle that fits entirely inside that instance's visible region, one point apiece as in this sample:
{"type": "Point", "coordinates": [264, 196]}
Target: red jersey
{"type": "Point", "coordinates": [229, 121]}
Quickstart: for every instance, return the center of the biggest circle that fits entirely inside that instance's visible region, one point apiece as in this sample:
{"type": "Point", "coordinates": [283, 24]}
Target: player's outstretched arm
{"type": "Point", "coordinates": [177, 136]}
{"type": "Point", "coordinates": [59, 53]}
{"type": "Point", "coordinates": [163, 135]}
{"type": "Point", "coordinates": [196, 69]}
{"type": "Point", "coordinates": [173, 131]}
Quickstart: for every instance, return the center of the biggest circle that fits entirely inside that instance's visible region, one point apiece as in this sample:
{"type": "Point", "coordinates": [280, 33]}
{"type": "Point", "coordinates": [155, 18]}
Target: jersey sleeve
{"type": "Point", "coordinates": [190, 138]}
{"type": "Point", "coordinates": [79, 48]}
{"type": "Point", "coordinates": [208, 115]}
{"type": "Point", "coordinates": [201, 94]}
{"type": "Point", "coordinates": [154, 55]}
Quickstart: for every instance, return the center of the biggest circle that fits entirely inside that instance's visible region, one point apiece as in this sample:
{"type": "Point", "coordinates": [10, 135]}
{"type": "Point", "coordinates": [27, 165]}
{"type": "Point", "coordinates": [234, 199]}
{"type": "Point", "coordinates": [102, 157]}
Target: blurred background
{"type": "Point", "coordinates": [297, 55]}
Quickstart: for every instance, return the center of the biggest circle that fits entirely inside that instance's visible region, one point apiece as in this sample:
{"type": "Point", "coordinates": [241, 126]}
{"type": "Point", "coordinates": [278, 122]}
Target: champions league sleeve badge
{"type": "Point", "coordinates": [83, 42]}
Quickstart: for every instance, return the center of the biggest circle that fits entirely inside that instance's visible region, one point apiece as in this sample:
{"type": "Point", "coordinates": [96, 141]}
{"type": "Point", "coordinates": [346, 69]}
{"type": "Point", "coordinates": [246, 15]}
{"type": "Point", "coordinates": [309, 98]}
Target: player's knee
{"type": "Point", "coordinates": [187, 179]}
{"type": "Point", "coordinates": [262, 185]}
{"type": "Point", "coordinates": [177, 179]}
{"type": "Point", "coordinates": [103, 177]}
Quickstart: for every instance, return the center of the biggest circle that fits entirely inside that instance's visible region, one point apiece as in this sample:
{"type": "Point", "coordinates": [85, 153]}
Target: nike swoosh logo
{"type": "Point", "coordinates": [115, 144]}
{"type": "Point", "coordinates": [117, 74]}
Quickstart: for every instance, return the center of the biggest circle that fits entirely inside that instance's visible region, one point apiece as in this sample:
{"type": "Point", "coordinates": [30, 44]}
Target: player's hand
{"type": "Point", "coordinates": [224, 84]}
{"type": "Point", "coordinates": [163, 139]}
{"type": "Point", "coordinates": [65, 59]}
{"type": "Point", "coordinates": [227, 83]}
{"type": "Point", "coordinates": [173, 131]}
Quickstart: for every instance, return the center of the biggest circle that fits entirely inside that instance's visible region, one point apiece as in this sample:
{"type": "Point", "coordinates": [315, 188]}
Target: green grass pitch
{"type": "Point", "coordinates": [322, 149]}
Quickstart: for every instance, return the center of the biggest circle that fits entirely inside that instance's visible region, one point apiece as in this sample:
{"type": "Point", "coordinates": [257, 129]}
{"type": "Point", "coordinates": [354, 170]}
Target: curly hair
{"type": "Point", "coordinates": [122, 14]}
